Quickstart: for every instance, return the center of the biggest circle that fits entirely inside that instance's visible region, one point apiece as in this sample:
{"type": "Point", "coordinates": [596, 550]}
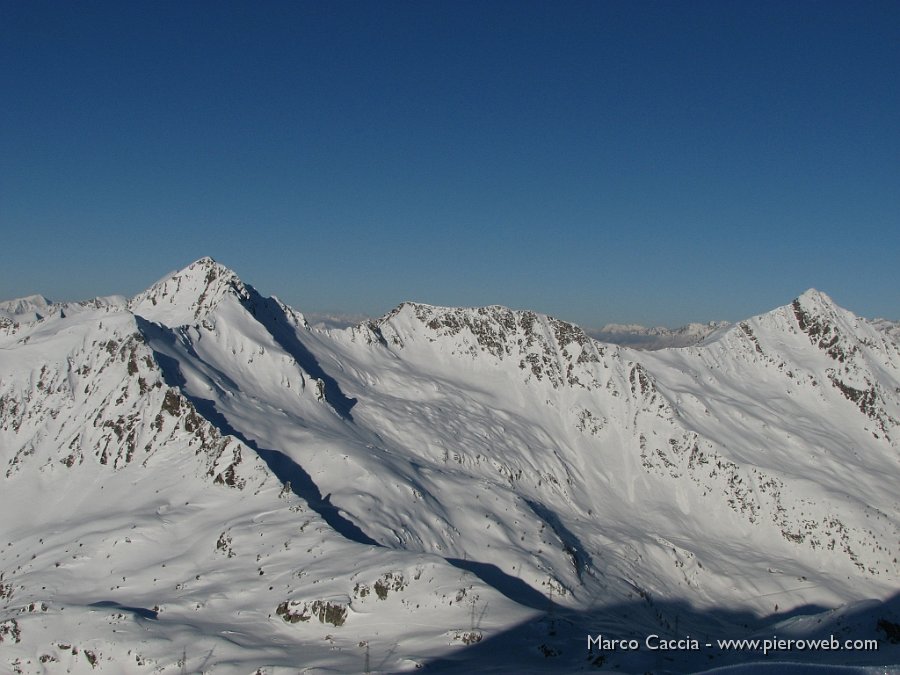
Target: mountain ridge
{"type": "Point", "coordinates": [503, 454]}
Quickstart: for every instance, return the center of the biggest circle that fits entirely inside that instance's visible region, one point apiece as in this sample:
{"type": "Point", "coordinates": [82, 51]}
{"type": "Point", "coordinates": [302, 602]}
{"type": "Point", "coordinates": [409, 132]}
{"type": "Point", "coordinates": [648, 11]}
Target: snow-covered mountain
{"type": "Point", "coordinates": [36, 307]}
{"type": "Point", "coordinates": [198, 480]}
{"type": "Point", "coordinates": [30, 308]}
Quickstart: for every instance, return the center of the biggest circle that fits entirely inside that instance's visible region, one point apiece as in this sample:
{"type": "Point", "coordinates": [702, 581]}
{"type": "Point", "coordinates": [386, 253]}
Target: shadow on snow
{"type": "Point", "coordinates": [557, 640]}
{"type": "Point", "coordinates": [271, 315]}
{"type": "Point", "coordinates": [284, 468]}
{"type": "Point", "coordinates": [141, 612]}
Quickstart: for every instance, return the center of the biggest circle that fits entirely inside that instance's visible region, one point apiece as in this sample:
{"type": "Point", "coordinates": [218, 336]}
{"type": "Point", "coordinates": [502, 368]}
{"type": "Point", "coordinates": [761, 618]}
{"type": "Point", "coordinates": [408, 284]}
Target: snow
{"type": "Point", "coordinates": [200, 472]}
{"type": "Point", "coordinates": [640, 337]}
{"type": "Point", "coordinates": [26, 309]}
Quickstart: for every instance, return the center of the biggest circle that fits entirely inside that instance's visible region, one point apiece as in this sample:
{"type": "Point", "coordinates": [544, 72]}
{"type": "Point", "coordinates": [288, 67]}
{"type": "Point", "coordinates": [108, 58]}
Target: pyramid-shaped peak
{"type": "Point", "coordinates": [814, 298]}
{"type": "Point", "coordinates": [833, 329]}
{"type": "Point", "coordinates": [816, 304]}
{"type": "Point", "coordinates": [187, 295]}
{"type": "Point", "coordinates": [206, 266]}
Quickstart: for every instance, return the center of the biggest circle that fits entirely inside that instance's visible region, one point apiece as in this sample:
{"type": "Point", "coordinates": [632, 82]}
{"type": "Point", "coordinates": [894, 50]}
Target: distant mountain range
{"type": "Point", "coordinates": [641, 337]}
{"type": "Point", "coordinates": [197, 479]}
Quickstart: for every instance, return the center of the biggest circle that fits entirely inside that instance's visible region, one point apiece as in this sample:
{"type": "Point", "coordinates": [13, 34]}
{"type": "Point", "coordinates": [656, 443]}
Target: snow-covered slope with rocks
{"type": "Point", "coordinates": [198, 480]}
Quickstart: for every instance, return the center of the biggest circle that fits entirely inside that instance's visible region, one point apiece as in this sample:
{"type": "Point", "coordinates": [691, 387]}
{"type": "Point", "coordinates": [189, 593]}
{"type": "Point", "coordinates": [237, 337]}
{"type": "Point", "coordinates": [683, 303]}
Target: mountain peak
{"type": "Point", "coordinates": [36, 300]}
{"type": "Point", "coordinates": [188, 294]}
{"type": "Point", "coordinates": [28, 308]}
{"type": "Point", "coordinates": [814, 307]}
{"type": "Point", "coordinates": [813, 298]}
{"type": "Point", "coordinates": [206, 267]}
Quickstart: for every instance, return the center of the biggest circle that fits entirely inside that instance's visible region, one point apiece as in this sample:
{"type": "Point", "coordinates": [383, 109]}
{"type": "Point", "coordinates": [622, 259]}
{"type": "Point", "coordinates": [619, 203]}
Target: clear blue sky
{"type": "Point", "coordinates": [659, 162]}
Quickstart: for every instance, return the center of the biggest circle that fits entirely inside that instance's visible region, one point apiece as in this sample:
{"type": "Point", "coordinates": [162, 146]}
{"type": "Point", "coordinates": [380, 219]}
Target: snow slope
{"type": "Point", "coordinates": [199, 480]}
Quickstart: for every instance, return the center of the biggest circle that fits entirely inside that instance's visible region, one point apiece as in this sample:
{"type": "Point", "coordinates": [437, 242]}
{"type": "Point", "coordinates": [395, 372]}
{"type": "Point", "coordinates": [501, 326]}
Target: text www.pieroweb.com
{"type": "Point", "coordinates": [764, 645]}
